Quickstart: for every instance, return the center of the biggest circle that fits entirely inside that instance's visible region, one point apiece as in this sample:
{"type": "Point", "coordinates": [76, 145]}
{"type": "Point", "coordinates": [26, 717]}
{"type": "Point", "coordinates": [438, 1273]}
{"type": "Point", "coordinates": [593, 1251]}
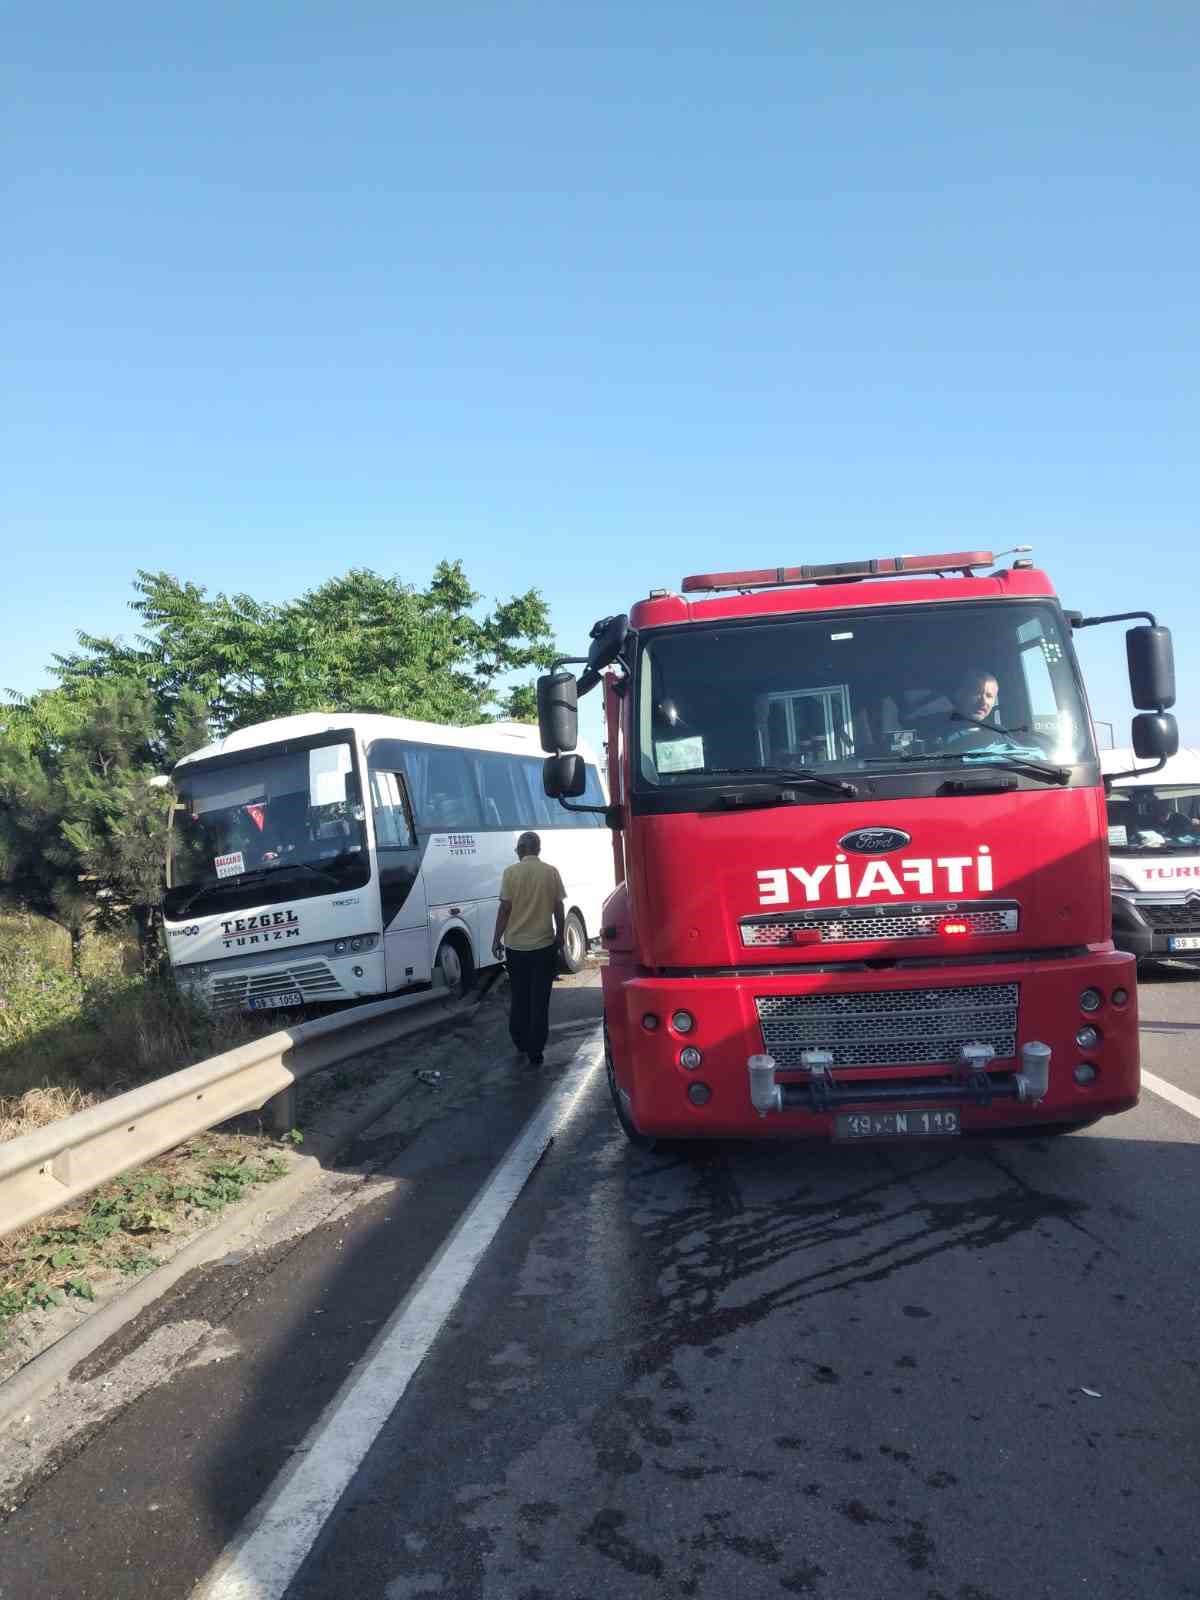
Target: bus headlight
{"type": "Point", "coordinates": [340, 947]}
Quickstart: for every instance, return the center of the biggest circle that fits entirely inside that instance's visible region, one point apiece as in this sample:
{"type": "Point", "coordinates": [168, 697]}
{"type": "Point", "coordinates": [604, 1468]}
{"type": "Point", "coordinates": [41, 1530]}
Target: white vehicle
{"type": "Point", "coordinates": [329, 857]}
{"type": "Point", "coordinates": [1154, 850]}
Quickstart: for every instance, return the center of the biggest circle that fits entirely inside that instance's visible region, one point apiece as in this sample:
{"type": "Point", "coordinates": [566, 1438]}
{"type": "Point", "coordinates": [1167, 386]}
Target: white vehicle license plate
{"type": "Point", "coordinates": [896, 1125]}
{"type": "Point", "coordinates": [1184, 941]}
{"type": "Point", "coordinates": [272, 1002]}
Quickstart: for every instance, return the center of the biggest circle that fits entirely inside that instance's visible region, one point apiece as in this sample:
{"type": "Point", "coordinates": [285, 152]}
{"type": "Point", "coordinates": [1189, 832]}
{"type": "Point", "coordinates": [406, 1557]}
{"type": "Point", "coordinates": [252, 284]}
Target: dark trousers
{"type": "Point", "coordinates": [530, 979]}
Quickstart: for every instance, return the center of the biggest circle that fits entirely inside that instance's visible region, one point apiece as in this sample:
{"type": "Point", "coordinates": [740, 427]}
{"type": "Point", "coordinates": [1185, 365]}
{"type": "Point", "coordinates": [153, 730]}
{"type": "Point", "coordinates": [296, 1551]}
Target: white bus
{"type": "Point", "coordinates": [1154, 856]}
{"type": "Point", "coordinates": [330, 857]}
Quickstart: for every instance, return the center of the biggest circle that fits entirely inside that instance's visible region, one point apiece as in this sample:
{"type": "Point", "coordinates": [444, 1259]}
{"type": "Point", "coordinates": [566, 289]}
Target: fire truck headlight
{"type": "Point", "coordinates": [690, 1057]}
{"type": "Point", "coordinates": [699, 1094]}
{"type": "Point", "coordinates": [1091, 1000]}
{"type": "Point", "coordinates": [1120, 997]}
{"type": "Point", "coordinates": [1088, 1037]}
{"type": "Point", "coordinates": [683, 1021]}
{"type": "Point", "coordinates": [1085, 1073]}
{"type": "Point", "coordinates": [650, 1022]}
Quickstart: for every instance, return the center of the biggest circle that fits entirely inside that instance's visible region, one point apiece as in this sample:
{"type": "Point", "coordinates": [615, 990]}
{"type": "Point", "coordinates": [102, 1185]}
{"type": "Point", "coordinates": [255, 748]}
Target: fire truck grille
{"type": "Point", "coordinates": [895, 1027]}
{"type": "Point", "coordinates": [1179, 918]}
{"type": "Point", "coordinates": [881, 922]}
{"type": "Point", "coordinates": [313, 979]}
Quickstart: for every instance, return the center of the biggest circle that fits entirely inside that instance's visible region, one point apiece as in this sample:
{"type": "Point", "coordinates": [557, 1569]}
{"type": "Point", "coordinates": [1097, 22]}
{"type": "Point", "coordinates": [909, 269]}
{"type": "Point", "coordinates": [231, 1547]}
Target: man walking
{"type": "Point", "coordinates": [530, 923]}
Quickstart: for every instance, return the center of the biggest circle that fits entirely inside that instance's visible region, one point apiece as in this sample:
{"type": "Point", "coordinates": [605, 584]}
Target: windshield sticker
{"type": "Point", "coordinates": [229, 866]}
{"type": "Point", "coordinates": [679, 755]}
{"type": "Point", "coordinates": [1118, 835]}
{"type": "Point", "coordinates": [841, 879]}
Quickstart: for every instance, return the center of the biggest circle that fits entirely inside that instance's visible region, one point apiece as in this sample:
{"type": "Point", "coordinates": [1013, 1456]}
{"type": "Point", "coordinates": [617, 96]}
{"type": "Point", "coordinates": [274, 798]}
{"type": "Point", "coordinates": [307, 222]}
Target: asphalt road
{"type": "Point", "coordinates": [964, 1373]}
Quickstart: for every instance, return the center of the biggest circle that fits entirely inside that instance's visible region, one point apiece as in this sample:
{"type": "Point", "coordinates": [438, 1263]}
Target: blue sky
{"type": "Point", "coordinates": [594, 296]}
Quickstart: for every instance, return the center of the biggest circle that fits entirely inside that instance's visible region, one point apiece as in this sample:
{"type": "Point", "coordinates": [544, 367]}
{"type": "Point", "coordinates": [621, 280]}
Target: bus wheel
{"type": "Point", "coordinates": [639, 1140]}
{"type": "Point", "coordinates": [454, 966]}
{"type": "Point", "coordinates": [573, 957]}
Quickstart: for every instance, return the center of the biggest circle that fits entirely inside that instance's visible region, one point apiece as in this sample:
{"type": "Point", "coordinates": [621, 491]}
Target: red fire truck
{"type": "Point", "coordinates": [860, 836]}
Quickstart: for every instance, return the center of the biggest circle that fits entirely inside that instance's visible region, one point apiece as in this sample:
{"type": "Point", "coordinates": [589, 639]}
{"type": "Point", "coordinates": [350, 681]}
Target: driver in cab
{"type": "Point", "coordinates": [971, 724]}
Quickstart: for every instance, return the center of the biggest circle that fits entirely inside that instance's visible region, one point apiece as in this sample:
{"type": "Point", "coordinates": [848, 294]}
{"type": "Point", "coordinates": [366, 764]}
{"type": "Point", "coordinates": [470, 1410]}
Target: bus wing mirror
{"type": "Point", "coordinates": [1155, 735]}
{"type": "Point", "coordinates": [558, 711]}
{"type": "Point", "coordinates": [1151, 660]}
{"type": "Point", "coordinates": [564, 777]}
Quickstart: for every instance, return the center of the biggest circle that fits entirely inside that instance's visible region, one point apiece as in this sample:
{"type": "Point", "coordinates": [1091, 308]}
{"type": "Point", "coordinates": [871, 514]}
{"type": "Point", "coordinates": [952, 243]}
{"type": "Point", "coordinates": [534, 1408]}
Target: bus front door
{"type": "Point", "coordinates": [402, 897]}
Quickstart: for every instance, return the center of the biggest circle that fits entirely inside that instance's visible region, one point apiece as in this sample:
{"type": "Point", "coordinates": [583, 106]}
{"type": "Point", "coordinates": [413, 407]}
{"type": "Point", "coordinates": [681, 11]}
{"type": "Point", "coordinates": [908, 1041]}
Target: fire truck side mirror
{"type": "Point", "coordinates": [1151, 668]}
{"type": "Point", "coordinates": [1155, 736]}
{"type": "Point", "coordinates": [558, 712]}
{"type": "Point", "coordinates": [608, 640]}
{"type": "Point", "coordinates": [564, 777]}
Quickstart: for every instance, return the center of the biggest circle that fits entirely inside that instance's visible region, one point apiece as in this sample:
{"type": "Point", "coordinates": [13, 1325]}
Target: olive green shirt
{"type": "Point", "coordinates": [532, 888]}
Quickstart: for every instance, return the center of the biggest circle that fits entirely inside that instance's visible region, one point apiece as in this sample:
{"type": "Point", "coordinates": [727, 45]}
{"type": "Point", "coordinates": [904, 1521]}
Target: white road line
{"type": "Point", "coordinates": [1178, 1097]}
{"type": "Point", "coordinates": [263, 1560]}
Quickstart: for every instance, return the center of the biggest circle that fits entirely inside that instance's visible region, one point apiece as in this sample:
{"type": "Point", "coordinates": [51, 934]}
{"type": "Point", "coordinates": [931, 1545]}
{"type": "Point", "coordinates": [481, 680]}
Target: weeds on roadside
{"type": "Point", "coordinates": [68, 1038]}
{"type": "Point", "coordinates": [43, 1266]}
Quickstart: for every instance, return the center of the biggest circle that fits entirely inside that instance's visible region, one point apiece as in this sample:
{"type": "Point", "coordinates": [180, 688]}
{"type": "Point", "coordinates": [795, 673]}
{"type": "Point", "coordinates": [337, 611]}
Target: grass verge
{"type": "Point", "coordinates": [115, 1231]}
{"type": "Point", "coordinates": [68, 1039]}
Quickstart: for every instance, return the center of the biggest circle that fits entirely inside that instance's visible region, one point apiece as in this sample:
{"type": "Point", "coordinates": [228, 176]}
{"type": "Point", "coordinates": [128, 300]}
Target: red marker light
{"type": "Point", "coordinates": [953, 925]}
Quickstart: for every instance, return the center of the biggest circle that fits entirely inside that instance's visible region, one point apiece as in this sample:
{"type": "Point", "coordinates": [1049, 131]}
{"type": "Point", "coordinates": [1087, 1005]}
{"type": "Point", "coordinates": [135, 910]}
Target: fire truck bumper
{"type": "Point", "coordinates": [801, 1055]}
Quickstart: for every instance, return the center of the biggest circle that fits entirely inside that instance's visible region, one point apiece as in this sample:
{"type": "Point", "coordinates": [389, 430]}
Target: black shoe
{"type": "Point", "coordinates": [536, 1061]}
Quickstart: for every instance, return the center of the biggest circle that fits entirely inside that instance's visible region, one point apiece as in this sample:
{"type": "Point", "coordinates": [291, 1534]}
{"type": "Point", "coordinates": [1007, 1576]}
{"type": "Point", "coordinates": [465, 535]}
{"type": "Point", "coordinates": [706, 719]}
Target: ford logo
{"type": "Point", "coordinates": [874, 841]}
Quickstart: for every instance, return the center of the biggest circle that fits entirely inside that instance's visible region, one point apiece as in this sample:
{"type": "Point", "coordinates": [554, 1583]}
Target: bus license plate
{"type": "Point", "coordinates": [272, 1002]}
{"type": "Point", "coordinates": [1190, 941]}
{"type": "Point", "coordinates": [896, 1125]}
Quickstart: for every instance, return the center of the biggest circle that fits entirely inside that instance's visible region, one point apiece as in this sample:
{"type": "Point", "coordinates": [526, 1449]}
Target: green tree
{"type": "Point", "coordinates": [360, 642]}
{"type": "Point", "coordinates": [82, 821]}
{"type": "Point", "coordinates": [38, 867]}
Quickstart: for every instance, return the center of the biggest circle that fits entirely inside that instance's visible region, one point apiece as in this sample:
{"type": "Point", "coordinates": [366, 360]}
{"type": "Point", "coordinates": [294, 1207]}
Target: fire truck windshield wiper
{"type": "Point", "coordinates": [1014, 763]}
{"type": "Point", "coordinates": [786, 775]}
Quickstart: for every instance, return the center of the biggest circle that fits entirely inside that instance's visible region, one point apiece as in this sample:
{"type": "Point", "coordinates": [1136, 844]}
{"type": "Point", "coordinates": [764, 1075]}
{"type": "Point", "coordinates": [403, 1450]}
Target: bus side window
{"type": "Point", "coordinates": [497, 788]}
{"type": "Point", "coordinates": [592, 795]}
{"type": "Point", "coordinates": [393, 827]}
{"type": "Point", "coordinates": [540, 811]}
{"type": "Point", "coordinates": [442, 787]}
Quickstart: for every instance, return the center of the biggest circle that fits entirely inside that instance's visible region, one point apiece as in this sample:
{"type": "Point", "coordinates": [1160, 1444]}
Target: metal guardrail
{"type": "Point", "coordinates": [54, 1165]}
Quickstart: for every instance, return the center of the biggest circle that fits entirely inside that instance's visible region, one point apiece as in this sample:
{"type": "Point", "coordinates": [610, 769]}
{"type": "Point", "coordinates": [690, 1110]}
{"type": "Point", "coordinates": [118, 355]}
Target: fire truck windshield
{"type": "Point", "coordinates": [976, 682]}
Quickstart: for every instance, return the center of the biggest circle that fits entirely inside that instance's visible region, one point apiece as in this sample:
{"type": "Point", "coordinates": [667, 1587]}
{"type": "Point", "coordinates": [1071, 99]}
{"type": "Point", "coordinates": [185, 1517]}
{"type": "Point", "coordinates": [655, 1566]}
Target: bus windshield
{"type": "Point", "coordinates": [1159, 817]}
{"type": "Point", "coordinates": [276, 824]}
{"type": "Point", "coordinates": [963, 684]}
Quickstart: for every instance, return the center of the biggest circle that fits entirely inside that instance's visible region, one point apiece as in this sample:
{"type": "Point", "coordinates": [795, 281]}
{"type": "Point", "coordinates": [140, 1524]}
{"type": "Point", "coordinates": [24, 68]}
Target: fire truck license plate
{"type": "Point", "coordinates": [1188, 941]}
{"type": "Point", "coordinates": [272, 1002]}
{"type": "Point", "coordinates": [896, 1125]}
